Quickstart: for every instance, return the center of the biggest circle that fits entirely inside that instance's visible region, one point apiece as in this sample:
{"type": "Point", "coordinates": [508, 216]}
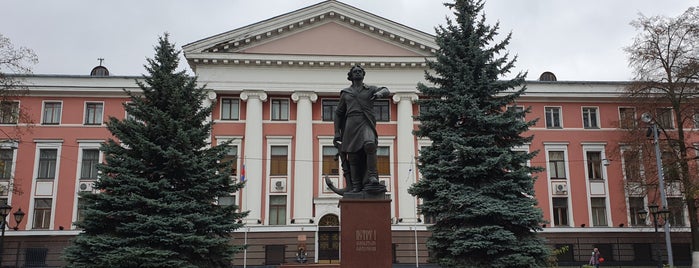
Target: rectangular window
{"type": "Point", "coordinates": [278, 161]}
{"type": "Point", "coordinates": [696, 118]}
{"type": "Point", "coordinates": [663, 117]}
{"type": "Point", "coordinates": [230, 109]}
{"type": "Point", "coordinates": [280, 109]}
{"type": "Point", "coordinates": [381, 111]}
{"type": "Point", "coordinates": [599, 211]}
{"type": "Point", "coordinates": [553, 117]}
{"type": "Point", "coordinates": [590, 117]}
{"type": "Point", "coordinates": [47, 163]}
{"type": "Point", "coordinates": [52, 113]}
{"type": "Point", "coordinates": [88, 169]}
{"type": "Point", "coordinates": [331, 165]}
{"type": "Point", "coordinates": [42, 213]}
{"type": "Point", "coordinates": [518, 110]}
{"type": "Point", "coordinates": [632, 166]}
{"type": "Point", "coordinates": [329, 107]}
{"type": "Point", "coordinates": [93, 113]}
{"type": "Point", "coordinates": [9, 112]}
{"type": "Point", "coordinates": [231, 157]}
{"type": "Point", "coordinates": [277, 209]}
{"type": "Point", "coordinates": [557, 165]}
{"type": "Point", "coordinates": [676, 207]}
{"type": "Point", "coordinates": [383, 160]}
{"type": "Point", "coordinates": [594, 165]}
{"type": "Point", "coordinates": [627, 117]}
{"type": "Point", "coordinates": [560, 211]}
{"type": "Point", "coordinates": [635, 206]}
{"type": "Point", "coordinates": [6, 163]}
{"type": "Point", "coordinates": [671, 169]}
{"type": "Point", "coordinates": [81, 209]}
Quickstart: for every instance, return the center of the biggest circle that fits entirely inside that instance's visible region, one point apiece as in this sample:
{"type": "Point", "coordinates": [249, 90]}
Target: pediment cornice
{"type": "Point", "coordinates": [225, 48]}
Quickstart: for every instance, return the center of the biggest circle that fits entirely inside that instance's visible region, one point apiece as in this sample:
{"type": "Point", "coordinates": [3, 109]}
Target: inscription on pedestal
{"type": "Point", "coordinates": [365, 233]}
{"type": "Point", "coordinates": [365, 240]}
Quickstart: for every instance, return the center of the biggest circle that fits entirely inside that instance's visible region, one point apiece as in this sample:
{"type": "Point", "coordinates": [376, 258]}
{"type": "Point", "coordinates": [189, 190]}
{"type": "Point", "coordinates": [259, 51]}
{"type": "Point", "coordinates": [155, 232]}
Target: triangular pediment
{"type": "Point", "coordinates": [331, 39]}
{"type": "Point", "coordinates": [329, 31]}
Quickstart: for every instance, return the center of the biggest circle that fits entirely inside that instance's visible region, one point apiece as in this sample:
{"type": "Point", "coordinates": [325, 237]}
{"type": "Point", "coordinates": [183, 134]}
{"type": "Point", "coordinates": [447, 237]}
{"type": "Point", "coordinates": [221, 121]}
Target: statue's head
{"type": "Point", "coordinates": [356, 67]}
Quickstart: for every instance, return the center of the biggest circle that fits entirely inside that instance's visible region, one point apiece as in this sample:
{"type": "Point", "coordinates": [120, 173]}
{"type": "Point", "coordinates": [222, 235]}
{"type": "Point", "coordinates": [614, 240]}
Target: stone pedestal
{"type": "Point", "coordinates": [365, 233]}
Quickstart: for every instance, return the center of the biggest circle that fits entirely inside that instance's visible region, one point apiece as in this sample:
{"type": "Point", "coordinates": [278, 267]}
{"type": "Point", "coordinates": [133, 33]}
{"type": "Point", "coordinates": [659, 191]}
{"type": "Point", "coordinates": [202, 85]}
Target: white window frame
{"type": "Point", "coordinates": [560, 117]}
{"type": "Point", "coordinates": [43, 112]}
{"type": "Point", "coordinates": [278, 141]}
{"type": "Point", "coordinates": [83, 145]}
{"type": "Point", "coordinates": [597, 147]}
{"type": "Point", "coordinates": [621, 118]}
{"type": "Point", "coordinates": [101, 117]}
{"type": "Point", "coordinates": [288, 110]}
{"type": "Point", "coordinates": [669, 111]}
{"type": "Point", "coordinates": [16, 115]}
{"type": "Point", "coordinates": [558, 147]}
{"type": "Point", "coordinates": [238, 111]}
{"type": "Point", "coordinates": [596, 117]}
{"type": "Point", "coordinates": [324, 141]}
{"type": "Point", "coordinates": [44, 144]}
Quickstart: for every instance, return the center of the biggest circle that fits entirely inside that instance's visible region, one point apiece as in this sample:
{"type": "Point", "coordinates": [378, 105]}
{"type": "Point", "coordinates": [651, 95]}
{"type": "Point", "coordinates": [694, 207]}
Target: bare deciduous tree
{"type": "Point", "coordinates": [664, 58]}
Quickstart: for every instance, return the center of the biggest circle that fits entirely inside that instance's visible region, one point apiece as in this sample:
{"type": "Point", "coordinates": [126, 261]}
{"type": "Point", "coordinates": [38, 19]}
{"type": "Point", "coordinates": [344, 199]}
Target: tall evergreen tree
{"type": "Point", "coordinates": [157, 205]}
{"type": "Point", "coordinates": [475, 183]}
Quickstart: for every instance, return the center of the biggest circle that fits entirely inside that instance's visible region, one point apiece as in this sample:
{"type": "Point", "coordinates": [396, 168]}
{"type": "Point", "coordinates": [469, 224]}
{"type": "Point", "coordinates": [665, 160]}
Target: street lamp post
{"type": "Point", "coordinates": [656, 214]}
{"type": "Point", "coordinates": [4, 211]}
{"type": "Point", "coordinates": [648, 119]}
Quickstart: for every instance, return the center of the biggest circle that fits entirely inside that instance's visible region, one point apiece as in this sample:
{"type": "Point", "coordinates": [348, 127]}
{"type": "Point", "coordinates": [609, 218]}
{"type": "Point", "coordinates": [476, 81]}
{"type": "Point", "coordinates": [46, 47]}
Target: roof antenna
{"type": "Point", "coordinates": [101, 60]}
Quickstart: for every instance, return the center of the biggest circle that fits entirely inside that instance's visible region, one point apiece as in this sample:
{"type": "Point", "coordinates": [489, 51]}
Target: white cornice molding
{"type": "Point", "coordinates": [271, 60]}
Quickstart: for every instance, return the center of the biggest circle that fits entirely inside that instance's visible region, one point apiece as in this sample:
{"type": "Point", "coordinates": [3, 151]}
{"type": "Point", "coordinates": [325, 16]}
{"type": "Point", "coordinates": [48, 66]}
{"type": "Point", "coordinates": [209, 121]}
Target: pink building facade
{"type": "Point", "coordinates": [273, 86]}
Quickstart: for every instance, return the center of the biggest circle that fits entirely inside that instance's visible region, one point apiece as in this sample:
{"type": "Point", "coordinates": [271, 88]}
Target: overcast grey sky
{"type": "Point", "coordinates": [578, 40]}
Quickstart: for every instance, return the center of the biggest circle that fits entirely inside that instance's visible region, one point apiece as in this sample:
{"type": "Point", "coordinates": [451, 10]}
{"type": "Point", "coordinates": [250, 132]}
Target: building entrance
{"type": "Point", "coordinates": [329, 239]}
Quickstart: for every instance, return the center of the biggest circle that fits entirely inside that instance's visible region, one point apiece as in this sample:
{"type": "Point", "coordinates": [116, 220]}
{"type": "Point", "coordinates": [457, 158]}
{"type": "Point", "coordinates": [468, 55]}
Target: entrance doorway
{"type": "Point", "coordinates": [329, 239]}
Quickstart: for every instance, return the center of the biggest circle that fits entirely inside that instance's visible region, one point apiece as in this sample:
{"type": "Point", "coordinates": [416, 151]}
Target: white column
{"type": "Point", "coordinates": [252, 157]}
{"type": "Point", "coordinates": [405, 156]}
{"type": "Point", "coordinates": [303, 153]}
{"type": "Point", "coordinates": [206, 103]}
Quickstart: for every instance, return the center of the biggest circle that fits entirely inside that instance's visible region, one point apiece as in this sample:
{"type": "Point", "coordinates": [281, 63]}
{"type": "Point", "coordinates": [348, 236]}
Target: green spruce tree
{"type": "Point", "coordinates": [474, 183]}
{"type": "Point", "coordinates": [158, 190]}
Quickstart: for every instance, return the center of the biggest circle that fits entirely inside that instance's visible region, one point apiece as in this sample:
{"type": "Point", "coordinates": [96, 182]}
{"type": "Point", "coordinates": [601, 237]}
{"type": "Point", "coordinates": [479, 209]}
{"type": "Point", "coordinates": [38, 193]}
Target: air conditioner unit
{"type": "Point", "coordinates": [278, 186]}
{"type": "Point", "coordinates": [559, 188]}
{"type": "Point", "coordinates": [86, 186]}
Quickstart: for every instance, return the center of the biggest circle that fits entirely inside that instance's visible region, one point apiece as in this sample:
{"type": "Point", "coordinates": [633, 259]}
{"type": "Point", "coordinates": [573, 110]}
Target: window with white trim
{"type": "Point", "coordinates": [47, 163]}
{"type": "Point", "coordinates": [663, 117]}
{"type": "Point", "coordinates": [52, 113]}
{"type": "Point", "coordinates": [93, 113]}
{"type": "Point", "coordinates": [88, 167]}
{"type": "Point", "coordinates": [590, 117]}
{"type": "Point", "coordinates": [42, 213]}
{"type": "Point", "coordinates": [599, 211]}
{"type": "Point", "coordinates": [277, 210]}
{"type": "Point", "coordinates": [560, 211]}
{"type": "Point", "coordinates": [9, 112]}
{"type": "Point", "coordinates": [627, 117]}
{"type": "Point", "coordinates": [557, 165]}
{"type": "Point", "coordinates": [280, 109]}
{"type": "Point", "coordinates": [553, 117]}
{"type": "Point", "coordinates": [279, 157]}
{"type": "Point", "coordinates": [230, 109]}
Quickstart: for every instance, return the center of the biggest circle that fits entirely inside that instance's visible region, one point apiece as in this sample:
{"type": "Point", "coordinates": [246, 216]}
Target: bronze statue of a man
{"type": "Point", "coordinates": [355, 130]}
